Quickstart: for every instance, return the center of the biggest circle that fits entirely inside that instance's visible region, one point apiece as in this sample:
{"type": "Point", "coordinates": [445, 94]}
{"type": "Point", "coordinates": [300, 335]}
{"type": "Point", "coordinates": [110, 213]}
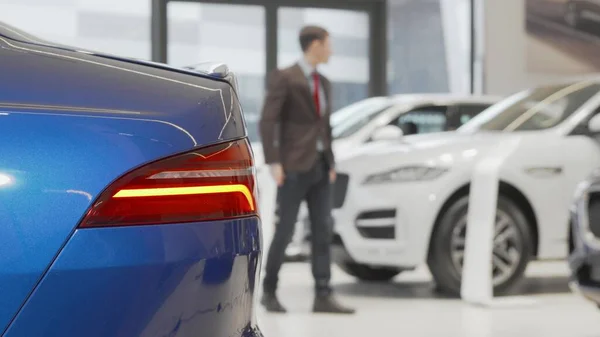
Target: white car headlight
{"type": "Point", "coordinates": [406, 174]}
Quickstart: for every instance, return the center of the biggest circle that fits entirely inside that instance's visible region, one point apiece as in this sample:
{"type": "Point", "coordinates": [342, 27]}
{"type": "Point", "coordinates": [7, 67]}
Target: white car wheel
{"type": "Point", "coordinates": [513, 246]}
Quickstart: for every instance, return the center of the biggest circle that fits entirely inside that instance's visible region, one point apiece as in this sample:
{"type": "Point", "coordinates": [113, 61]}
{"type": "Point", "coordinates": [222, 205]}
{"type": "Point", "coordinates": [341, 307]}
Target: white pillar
{"type": "Point", "coordinates": [477, 286]}
{"type": "Point", "coordinates": [456, 23]}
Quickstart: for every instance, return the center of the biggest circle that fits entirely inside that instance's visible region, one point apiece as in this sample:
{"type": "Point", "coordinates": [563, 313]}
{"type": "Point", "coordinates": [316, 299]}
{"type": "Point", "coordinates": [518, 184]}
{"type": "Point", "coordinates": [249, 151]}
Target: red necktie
{"type": "Point", "coordinates": [316, 86]}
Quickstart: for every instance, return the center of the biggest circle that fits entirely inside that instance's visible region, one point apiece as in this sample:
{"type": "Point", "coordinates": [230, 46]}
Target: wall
{"type": "Point", "coordinates": [505, 50]}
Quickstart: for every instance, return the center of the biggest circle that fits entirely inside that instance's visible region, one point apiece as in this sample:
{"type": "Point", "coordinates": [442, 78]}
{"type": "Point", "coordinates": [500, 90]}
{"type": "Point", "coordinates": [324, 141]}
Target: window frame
{"type": "Point", "coordinates": [378, 31]}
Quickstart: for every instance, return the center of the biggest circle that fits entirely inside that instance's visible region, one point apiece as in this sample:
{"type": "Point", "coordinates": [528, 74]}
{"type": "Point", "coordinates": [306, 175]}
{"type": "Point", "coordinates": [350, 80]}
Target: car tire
{"type": "Point", "coordinates": [367, 273]}
{"type": "Point", "coordinates": [442, 264]}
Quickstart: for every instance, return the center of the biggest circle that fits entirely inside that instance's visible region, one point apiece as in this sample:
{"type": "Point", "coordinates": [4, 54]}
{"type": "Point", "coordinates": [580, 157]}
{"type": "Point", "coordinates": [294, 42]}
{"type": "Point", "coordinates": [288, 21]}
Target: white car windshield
{"type": "Point", "coordinates": [348, 120]}
{"type": "Point", "coordinates": [534, 109]}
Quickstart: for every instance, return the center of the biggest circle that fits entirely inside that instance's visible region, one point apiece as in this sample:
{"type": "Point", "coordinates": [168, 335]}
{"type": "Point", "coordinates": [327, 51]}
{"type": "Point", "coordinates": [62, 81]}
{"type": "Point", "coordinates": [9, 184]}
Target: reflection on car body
{"type": "Point", "coordinates": [126, 208]}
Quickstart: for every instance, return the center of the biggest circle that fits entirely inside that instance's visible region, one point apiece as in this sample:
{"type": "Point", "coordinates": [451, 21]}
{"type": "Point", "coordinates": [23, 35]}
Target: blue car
{"type": "Point", "coordinates": [584, 259]}
{"type": "Point", "coordinates": [127, 197]}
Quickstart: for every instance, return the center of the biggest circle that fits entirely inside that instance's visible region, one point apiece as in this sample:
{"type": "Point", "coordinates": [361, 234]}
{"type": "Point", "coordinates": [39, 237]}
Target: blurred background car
{"type": "Point", "coordinates": [584, 239]}
{"type": "Point", "coordinates": [375, 118]}
{"type": "Point", "coordinates": [411, 207]}
{"type": "Point", "coordinates": [369, 119]}
{"type": "Point", "coordinates": [388, 118]}
{"type": "Point", "coordinates": [126, 208]}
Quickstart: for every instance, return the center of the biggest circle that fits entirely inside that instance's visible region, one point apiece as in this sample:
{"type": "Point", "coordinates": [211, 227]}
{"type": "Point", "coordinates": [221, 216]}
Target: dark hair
{"type": "Point", "coordinates": [309, 34]}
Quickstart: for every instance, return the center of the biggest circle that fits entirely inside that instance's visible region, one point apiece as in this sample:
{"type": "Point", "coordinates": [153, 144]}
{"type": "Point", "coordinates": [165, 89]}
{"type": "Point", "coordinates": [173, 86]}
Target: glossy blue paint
{"type": "Point", "coordinates": [174, 280]}
{"type": "Point", "coordinates": [71, 123]}
{"type": "Point", "coordinates": [41, 78]}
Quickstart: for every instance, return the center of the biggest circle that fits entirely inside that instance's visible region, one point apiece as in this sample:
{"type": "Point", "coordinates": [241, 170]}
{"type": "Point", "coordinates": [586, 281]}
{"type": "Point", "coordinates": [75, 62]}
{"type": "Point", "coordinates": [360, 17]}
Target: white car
{"type": "Point", "coordinates": [376, 118]}
{"type": "Point", "coordinates": [380, 118]}
{"type": "Point", "coordinates": [405, 201]}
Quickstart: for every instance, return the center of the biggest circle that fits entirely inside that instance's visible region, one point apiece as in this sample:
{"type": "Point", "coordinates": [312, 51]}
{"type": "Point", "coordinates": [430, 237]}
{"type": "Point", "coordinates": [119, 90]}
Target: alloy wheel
{"type": "Point", "coordinates": [506, 252]}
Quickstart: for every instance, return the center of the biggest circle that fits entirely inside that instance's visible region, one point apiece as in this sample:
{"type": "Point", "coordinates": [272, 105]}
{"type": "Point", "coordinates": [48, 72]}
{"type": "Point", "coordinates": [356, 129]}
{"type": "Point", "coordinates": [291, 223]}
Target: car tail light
{"type": "Point", "coordinates": [212, 183]}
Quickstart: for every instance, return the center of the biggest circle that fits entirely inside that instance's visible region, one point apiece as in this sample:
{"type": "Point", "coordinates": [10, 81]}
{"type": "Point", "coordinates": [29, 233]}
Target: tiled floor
{"type": "Point", "coordinates": [409, 307]}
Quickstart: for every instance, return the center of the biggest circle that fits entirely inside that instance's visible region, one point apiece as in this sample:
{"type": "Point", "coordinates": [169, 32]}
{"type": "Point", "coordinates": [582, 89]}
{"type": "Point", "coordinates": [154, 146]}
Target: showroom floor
{"type": "Point", "coordinates": [409, 307]}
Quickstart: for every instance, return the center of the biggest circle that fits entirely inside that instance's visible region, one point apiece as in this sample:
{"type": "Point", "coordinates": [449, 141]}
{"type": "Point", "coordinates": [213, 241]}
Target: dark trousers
{"type": "Point", "coordinates": [314, 187]}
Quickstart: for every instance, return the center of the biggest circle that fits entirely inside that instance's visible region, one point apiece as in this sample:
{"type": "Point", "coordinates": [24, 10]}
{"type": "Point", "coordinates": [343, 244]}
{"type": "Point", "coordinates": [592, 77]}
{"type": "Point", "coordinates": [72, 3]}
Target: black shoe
{"type": "Point", "coordinates": [328, 304]}
{"type": "Point", "coordinates": [271, 303]}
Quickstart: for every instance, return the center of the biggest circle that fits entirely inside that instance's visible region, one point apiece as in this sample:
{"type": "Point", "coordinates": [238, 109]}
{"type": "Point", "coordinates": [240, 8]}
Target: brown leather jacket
{"type": "Point", "coordinates": [290, 125]}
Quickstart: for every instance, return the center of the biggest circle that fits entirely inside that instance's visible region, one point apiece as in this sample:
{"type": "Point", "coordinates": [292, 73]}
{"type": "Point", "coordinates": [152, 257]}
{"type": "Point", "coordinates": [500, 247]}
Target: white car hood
{"type": "Point", "coordinates": [432, 141]}
{"type": "Point", "coordinates": [447, 148]}
{"type": "Point", "coordinates": [419, 148]}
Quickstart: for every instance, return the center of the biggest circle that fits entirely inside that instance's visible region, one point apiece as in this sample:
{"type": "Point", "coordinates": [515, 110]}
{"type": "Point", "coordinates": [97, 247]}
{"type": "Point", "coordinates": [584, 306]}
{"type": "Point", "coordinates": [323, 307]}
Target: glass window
{"type": "Point", "coordinates": [422, 120]}
{"type": "Point", "coordinates": [252, 121]}
{"type": "Point", "coordinates": [535, 109]}
{"type": "Point", "coordinates": [110, 26]}
{"type": "Point", "coordinates": [351, 119]}
{"type": "Point", "coordinates": [463, 113]}
{"type": "Point", "coordinates": [348, 68]}
{"type": "Point", "coordinates": [417, 50]}
{"type": "Point", "coordinates": [464, 118]}
{"type": "Point", "coordinates": [234, 34]}
{"type": "Point", "coordinates": [471, 110]}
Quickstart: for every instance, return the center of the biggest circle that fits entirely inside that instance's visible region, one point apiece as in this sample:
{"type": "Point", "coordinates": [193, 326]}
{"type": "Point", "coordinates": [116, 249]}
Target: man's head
{"type": "Point", "coordinates": [315, 44]}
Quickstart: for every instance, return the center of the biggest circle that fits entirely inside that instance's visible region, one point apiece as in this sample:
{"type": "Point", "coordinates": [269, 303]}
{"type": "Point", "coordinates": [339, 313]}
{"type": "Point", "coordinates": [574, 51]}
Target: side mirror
{"type": "Point", "coordinates": [388, 132]}
{"type": "Point", "coordinates": [594, 125]}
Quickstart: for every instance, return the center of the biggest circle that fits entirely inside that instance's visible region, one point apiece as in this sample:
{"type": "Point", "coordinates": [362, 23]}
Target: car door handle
{"type": "Point", "coordinates": [544, 171]}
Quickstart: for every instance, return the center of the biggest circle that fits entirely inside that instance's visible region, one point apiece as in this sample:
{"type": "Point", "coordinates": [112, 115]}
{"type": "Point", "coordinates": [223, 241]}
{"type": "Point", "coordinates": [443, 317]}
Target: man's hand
{"type": "Point", "coordinates": [277, 173]}
{"type": "Point", "coordinates": [332, 175]}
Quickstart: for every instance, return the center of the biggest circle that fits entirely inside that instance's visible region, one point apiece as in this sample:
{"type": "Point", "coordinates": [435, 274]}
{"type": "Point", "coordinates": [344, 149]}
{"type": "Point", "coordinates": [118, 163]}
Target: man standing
{"type": "Point", "coordinates": [296, 137]}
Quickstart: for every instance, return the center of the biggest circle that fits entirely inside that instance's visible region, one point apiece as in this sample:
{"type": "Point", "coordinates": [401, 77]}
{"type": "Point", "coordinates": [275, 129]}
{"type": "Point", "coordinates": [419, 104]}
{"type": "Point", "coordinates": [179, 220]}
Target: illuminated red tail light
{"type": "Point", "coordinates": [212, 183]}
